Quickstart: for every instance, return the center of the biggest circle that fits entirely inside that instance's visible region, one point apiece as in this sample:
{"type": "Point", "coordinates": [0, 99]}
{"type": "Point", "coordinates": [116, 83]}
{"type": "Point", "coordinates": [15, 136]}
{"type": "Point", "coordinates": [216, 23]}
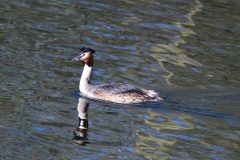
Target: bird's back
{"type": "Point", "coordinates": [122, 93]}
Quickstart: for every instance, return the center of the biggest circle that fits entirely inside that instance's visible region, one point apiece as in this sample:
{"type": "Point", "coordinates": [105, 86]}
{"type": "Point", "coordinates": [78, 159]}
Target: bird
{"type": "Point", "coordinates": [114, 92]}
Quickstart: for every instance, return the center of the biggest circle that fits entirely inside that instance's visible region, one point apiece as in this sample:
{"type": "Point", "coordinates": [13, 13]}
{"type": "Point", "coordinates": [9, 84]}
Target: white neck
{"type": "Point", "coordinates": [85, 80]}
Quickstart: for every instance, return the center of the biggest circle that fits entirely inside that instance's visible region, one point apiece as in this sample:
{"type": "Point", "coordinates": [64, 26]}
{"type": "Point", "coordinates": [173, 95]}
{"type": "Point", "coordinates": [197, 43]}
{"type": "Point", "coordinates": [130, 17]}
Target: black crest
{"type": "Point", "coordinates": [85, 49]}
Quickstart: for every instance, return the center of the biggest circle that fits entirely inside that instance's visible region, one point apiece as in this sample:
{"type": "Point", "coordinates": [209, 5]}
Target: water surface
{"type": "Point", "coordinates": [185, 50]}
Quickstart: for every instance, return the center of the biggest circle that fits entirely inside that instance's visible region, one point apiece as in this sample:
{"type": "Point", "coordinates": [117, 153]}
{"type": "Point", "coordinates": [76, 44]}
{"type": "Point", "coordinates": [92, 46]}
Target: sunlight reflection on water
{"type": "Point", "coordinates": [186, 50]}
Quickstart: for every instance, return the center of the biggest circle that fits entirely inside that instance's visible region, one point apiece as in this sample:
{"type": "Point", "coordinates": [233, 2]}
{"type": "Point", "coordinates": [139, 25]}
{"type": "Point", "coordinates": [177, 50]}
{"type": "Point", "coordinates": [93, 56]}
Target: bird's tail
{"type": "Point", "coordinates": [154, 95]}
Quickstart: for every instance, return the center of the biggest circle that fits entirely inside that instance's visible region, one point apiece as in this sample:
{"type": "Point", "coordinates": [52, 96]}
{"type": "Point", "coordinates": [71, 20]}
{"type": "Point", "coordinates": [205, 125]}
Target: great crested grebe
{"type": "Point", "coordinates": [113, 92]}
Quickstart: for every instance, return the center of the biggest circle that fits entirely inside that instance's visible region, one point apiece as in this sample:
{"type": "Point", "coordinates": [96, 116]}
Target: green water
{"type": "Point", "coordinates": [188, 51]}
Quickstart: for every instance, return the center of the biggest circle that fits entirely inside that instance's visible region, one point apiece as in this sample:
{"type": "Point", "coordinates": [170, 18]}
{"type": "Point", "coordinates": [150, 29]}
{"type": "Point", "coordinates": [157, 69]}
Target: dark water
{"type": "Point", "coordinates": [187, 50]}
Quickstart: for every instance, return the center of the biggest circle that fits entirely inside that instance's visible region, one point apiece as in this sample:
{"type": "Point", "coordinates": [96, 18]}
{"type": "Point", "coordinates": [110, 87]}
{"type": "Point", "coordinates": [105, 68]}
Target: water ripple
{"type": "Point", "coordinates": [163, 45]}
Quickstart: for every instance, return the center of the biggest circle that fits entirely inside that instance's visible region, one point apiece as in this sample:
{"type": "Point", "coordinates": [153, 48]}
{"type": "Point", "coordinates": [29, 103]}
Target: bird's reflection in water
{"type": "Point", "coordinates": [80, 134]}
